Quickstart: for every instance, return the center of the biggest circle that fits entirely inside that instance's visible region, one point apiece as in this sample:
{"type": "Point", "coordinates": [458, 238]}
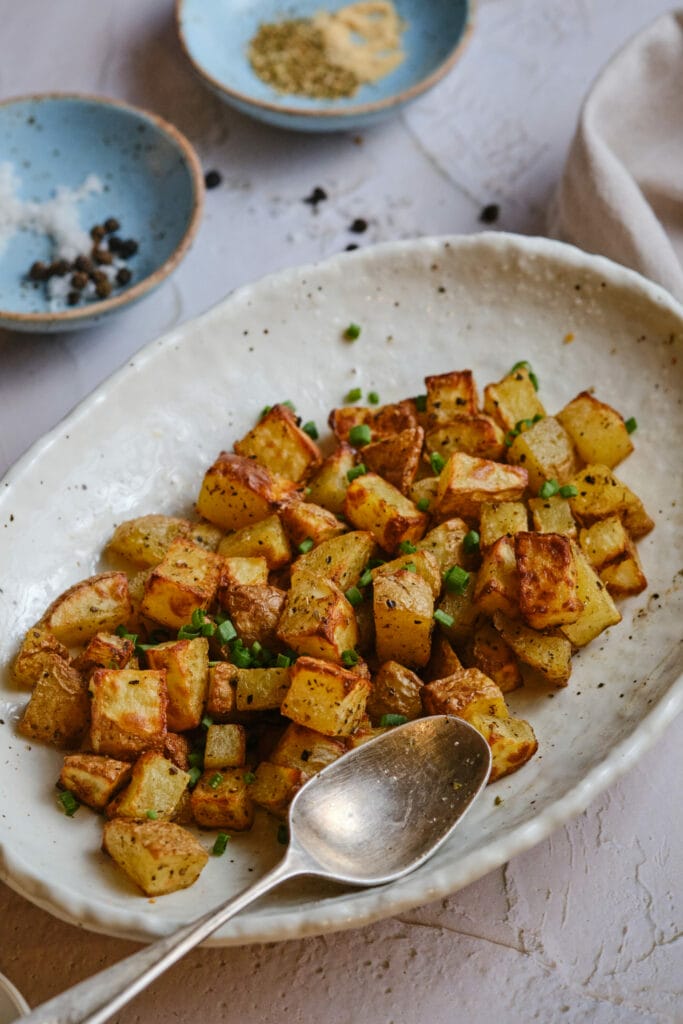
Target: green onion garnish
{"type": "Point", "coordinates": [354, 596]}
{"type": "Point", "coordinates": [631, 424]}
{"type": "Point", "coordinates": [389, 720]}
{"type": "Point", "coordinates": [152, 815]}
{"type": "Point", "coordinates": [410, 566]}
{"type": "Point", "coordinates": [456, 580]}
{"type": "Point", "coordinates": [568, 491]}
{"type": "Point", "coordinates": [354, 395]}
{"type": "Point", "coordinates": [249, 777]}
{"type": "Point", "coordinates": [355, 472]}
{"type": "Point", "coordinates": [366, 578]}
{"type": "Point", "coordinates": [360, 435]}
{"type": "Point", "coordinates": [437, 461]}
{"type": "Point", "coordinates": [373, 398]}
{"type": "Point", "coordinates": [290, 405]}
{"type": "Point", "coordinates": [406, 547]}
{"type": "Point", "coordinates": [226, 632]}
{"type": "Point", "coordinates": [207, 720]}
{"type": "Point", "coordinates": [352, 332]}
{"type": "Point", "coordinates": [349, 658]}
{"type": "Point", "coordinates": [123, 632]}
{"type": "Point", "coordinates": [195, 774]}
{"type": "Point", "coordinates": [215, 780]}
{"type": "Point", "coordinates": [470, 542]}
{"type": "Point", "coordinates": [423, 504]}
{"type": "Point", "coordinates": [549, 488]}
{"type": "Point", "coordinates": [306, 545]}
{"type": "Point", "coordinates": [265, 410]}
{"type": "Point", "coordinates": [421, 403]}
{"type": "Point", "coordinates": [443, 618]}
{"type": "Point", "coordinates": [240, 655]}
{"type": "Point", "coordinates": [311, 429]}
{"type": "Point", "coordinates": [524, 364]}
{"type": "Point", "coordinates": [218, 848]}
{"type": "Point", "coordinates": [196, 758]}
{"type": "Point", "coordinates": [283, 661]}
{"type": "Point", "coordinates": [69, 803]}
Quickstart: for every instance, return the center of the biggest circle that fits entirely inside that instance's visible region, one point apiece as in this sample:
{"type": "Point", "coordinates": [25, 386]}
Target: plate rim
{"type": "Point", "coordinates": [619, 759]}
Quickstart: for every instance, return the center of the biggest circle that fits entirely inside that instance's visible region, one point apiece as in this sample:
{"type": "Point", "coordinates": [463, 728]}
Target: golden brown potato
{"type": "Point", "coordinates": [597, 430]}
{"type": "Point", "coordinates": [239, 571]}
{"type": "Point", "coordinates": [548, 655]}
{"type": "Point", "coordinates": [497, 585]}
{"type": "Point", "coordinates": [154, 791]}
{"type": "Point", "coordinates": [328, 486]}
{"type": "Point", "coordinates": [601, 494]}
{"type": "Point", "coordinates": [500, 518]}
{"type": "Point", "coordinates": [93, 780]}
{"type": "Point", "coordinates": [146, 539]}
{"type": "Point", "coordinates": [39, 649]}
{"type": "Point", "coordinates": [221, 701]}
{"type": "Point", "coordinates": [449, 395]}
{"type": "Point", "coordinates": [105, 650]}
{"type": "Point", "coordinates": [306, 750]}
{"type": "Point", "coordinates": [340, 559]}
{"type": "Point", "coordinates": [185, 580]}
{"type": "Point", "coordinates": [459, 605]}
{"type": "Point", "coordinates": [547, 580]}
{"type": "Point", "coordinates": [317, 619]}
{"type": "Point", "coordinates": [477, 435]}
{"type": "Point", "coordinates": [275, 786]}
{"type": "Point", "coordinates": [324, 697]}
{"type": "Point", "coordinates": [237, 491]}
{"type": "Point", "coordinates": [512, 742]}
{"type": "Point", "coordinates": [466, 483]}
{"type": "Point", "coordinates": [255, 613]}
{"type": "Point", "coordinates": [383, 422]}
{"type": "Point", "coordinates": [159, 856]}
{"type": "Point", "coordinates": [546, 452]}
{"type": "Point", "coordinates": [403, 606]}
{"type": "Point", "coordinates": [305, 521]}
{"type": "Point", "coordinates": [186, 663]}
{"type": "Point", "coordinates": [493, 656]}
{"type": "Point", "coordinates": [395, 691]}
{"type": "Point", "coordinates": [128, 712]}
{"type": "Point", "coordinates": [396, 458]}
{"type": "Point", "coordinates": [553, 515]}
{"type": "Point", "coordinates": [421, 562]}
{"type": "Point", "coordinates": [599, 610]}
{"type": "Point", "coordinates": [95, 605]}
{"type": "Point", "coordinates": [445, 543]}
{"type": "Point", "coordinates": [513, 399]}
{"type": "Point", "coordinates": [261, 689]}
{"type": "Point", "coordinates": [465, 693]}
{"type": "Point", "coordinates": [278, 443]}
{"type": "Point", "coordinates": [375, 505]}
{"type": "Point", "coordinates": [226, 747]}
{"type": "Point", "coordinates": [59, 710]}
{"type": "Point", "coordinates": [222, 800]}
{"type": "Point", "coordinates": [264, 539]}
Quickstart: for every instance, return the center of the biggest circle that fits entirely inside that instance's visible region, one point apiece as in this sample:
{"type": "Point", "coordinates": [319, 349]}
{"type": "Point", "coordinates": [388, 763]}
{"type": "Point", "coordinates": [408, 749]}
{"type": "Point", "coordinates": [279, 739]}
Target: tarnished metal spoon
{"type": "Point", "coordinates": [367, 819]}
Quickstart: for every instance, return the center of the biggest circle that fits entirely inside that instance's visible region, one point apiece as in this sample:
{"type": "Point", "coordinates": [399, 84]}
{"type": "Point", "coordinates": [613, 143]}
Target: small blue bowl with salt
{"type": "Point", "coordinates": [99, 202]}
{"type": "Point", "coordinates": [220, 36]}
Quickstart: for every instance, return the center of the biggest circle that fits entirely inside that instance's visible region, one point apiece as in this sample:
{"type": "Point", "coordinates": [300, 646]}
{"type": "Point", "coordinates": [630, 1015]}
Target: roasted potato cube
{"type": "Point", "coordinates": [226, 747]}
{"type": "Point", "coordinates": [493, 656]}
{"type": "Point", "coordinates": [602, 495]}
{"type": "Point", "coordinates": [466, 483]}
{"type": "Point", "coordinates": [512, 742]}
{"type": "Point", "coordinates": [261, 689]}
{"type": "Point", "coordinates": [222, 800]}
{"type": "Point", "coordinates": [445, 543]}
{"type": "Point", "coordinates": [548, 655]}
{"type": "Point", "coordinates": [221, 701]}
{"type": "Point", "coordinates": [547, 580]}
{"type": "Point", "coordinates": [328, 486]}
{"type": "Point", "coordinates": [396, 458]}
{"type": "Point", "coordinates": [553, 515]}
{"type": "Point", "coordinates": [187, 679]}
{"type": "Point", "coordinates": [317, 619]}
{"type": "Point", "coordinates": [597, 430]}
{"type": "Point", "coordinates": [403, 606]}
{"type": "Point", "coordinates": [128, 709]}
{"type": "Point", "coordinates": [422, 562]}
{"type": "Point", "coordinates": [599, 610]}
{"type": "Point", "coordinates": [158, 856]}
{"type": "Point", "coordinates": [497, 585]}
{"type": "Point", "coordinates": [277, 443]}
{"type": "Point", "coordinates": [423, 493]}
{"type": "Point", "coordinates": [239, 571]}
{"type": "Point", "coordinates": [105, 650]}
{"type": "Point", "coordinates": [265, 539]}
{"type": "Point", "coordinates": [395, 691]}
{"type": "Point", "coordinates": [155, 788]}
{"type": "Point", "coordinates": [177, 749]}
{"type": "Point", "coordinates": [476, 435]}
{"type": "Point", "coordinates": [305, 521]}
{"type": "Point", "coordinates": [275, 786]}
{"type": "Point", "coordinates": [39, 649]}
{"type": "Point", "coordinates": [546, 452]}
{"type": "Point", "coordinates": [186, 579]}
{"type": "Point", "coordinates": [500, 518]}
{"type": "Point", "coordinates": [383, 422]}
{"type": "Point", "coordinates": [255, 613]}
{"type": "Point", "coordinates": [512, 399]}
{"type": "Point", "coordinates": [604, 541]}
{"type": "Point", "coordinates": [237, 491]}
{"type": "Point", "coordinates": [375, 505]}
{"type": "Point", "coordinates": [59, 710]}
{"type": "Point", "coordinates": [625, 574]}
{"type": "Point", "coordinates": [443, 661]}
{"type": "Point", "coordinates": [449, 395]}
{"type": "Point", "coordinates": [95, 605]}
{"type": "Point", "coordinates": [465, 693]}
{"type": "Point", "coordinates": [146, 540]}
{"type": "Point", "coordinates": [324, 697]}
{"type": "Point", "coordinates": [93, 780]}
{"type": "Point", "coordinates": [460, 607]}
{"type": "Point", "coordinates": [340, 559]}
{"type": "Point", "coordinates": [306, 750]}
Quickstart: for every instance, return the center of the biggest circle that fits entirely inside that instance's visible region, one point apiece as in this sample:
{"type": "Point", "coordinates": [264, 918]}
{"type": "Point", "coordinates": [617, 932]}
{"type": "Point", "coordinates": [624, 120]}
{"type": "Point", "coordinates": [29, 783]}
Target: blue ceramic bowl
{"type": "Point", "coordinates": [152, 184]}
{"type": "Point", "coordinates": [216, 33]}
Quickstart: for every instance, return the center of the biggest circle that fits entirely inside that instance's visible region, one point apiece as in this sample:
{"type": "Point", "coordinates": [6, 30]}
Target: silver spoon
{"type": "Point", "coordinates": [367, 819]}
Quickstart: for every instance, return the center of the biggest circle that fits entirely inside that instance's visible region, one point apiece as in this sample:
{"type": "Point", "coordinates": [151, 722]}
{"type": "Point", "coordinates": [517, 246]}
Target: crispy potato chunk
{"type": "Point", "coordinates": [597, 430]}
{"type": "Point", "coordinates": [324, 697]}
{"type": "Point", "coordinates": [146, 539]}
{"type": "Point", "coordinates": [493, 656]}
{"type": "Point", "coordinates": [403, 606]}
{"type": "Point", "coordinates": [186, 579]}
{"type": "Point", "coordinates": [222, 800]}
{"type": "Point", "coordinates": [512, 399]}
{"type": "Point", "coordinates": [156, 786]}
{"type": "Point", "coordinates": [395, 691]}
{"type": "Point", "coordinates": [625, 574]}
{"type": "Point", "coordinates": [105, 650]}
{"type": "Point", "coordinates": [599, 610]}
{"type": "Point", "coordinates": [95, 605]}
{"type": "Point", "coordinates": [340, 559]}
{"type": "Point", "coordinates": [604, 541]}
{"type": "Point", "coordinates": [317, 619]}
{"type": "Point", "coordinates": [39, 649]}
{"type": "Point", "coordinates": [465, 693]}
{"type": "Point", "coordinates": [450, 395]}
{"type": "Point", "coordinates": [237, 491]}
{"type": "Point", "coordinates": [278, 443]}
{"type": "Point", "coordinates": [466, 483]}
{"type": "Point", "coordinates": [512, 742]}
{"type": "Point", "coordinates": [187, 679]}
{"type": "Point", "coordinates": [305, 521]}
{"type": "Point", "coordinates": [158, 856]}
{"type": "Point", "coordinates": [59, 710]}
{"type": "Point", "coordinates": [243, 572]}
{"type": "Point", "coordinates": [553, 515]}
{"type": "Point", "coordinates": [396, 458]}
{"type": "Point", "coordinates": [546, 452]}
{"type": "Point", "coordinates": [602, 495]}
{"type": "Point", "coordinates": [328, 486]}
{"type": "Point", "coordinates": [477, 435]}
{"type": "Point", "coordinates": [548, 655]}
{"type": "Point", "coordinates": [255, 613]}
{"type": "Point", "coordinates": [275, 786]}
{"type": "Point", "coordinates": [306, 750]}
{"type": "Point", "coordinates": [221, 701]}
{"type": "Point", "coordinates": [443, 661]}
{"type": "Point", "coordinates": [383, 422]}
{"type": "Point", "coordinates": [261, 689]}
{"type": "Point", "coordinates": [93, 780]}
{"type": "Point", "coordinates": [497, 585]}
{"type": "Point", "coordinates": [265, 539]}
{"type": "Point", "coordinates": [461, 608]}
{"type": "Point", "coordinates": [422, 562]}
{"type": "Point", "coordinates": [500, 518]}
{"type": "Point", "coordinates": [547, 580]}
{"type": "Point", "coordinates": [226, 747]}
{"type": "Point", "coordinates": [128, 708]}
{"type": "Point", "coordinates": [423, 493]}
{"type": "Point", "coordinates": [445, 543]}
{"type": "Point", "coordinates": [375, 505]}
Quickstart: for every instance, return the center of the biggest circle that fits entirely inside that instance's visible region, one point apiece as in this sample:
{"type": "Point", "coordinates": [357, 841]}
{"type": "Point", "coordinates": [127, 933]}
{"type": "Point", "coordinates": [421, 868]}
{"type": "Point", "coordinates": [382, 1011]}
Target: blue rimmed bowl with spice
{"type": "Point", "coordinates": [318, 66]}
{"type": "Point", "coordinates": [99, 202]}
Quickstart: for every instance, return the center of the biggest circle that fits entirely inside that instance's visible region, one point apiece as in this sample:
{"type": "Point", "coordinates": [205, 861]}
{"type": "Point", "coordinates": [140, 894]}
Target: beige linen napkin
{"type": "Point", "coordinates": [621, 194]}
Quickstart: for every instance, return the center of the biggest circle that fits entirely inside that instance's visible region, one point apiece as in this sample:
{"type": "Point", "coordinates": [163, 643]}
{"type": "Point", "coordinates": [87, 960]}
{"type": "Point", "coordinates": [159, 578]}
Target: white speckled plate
{"type": "Point", "coordinates": [141, 444]}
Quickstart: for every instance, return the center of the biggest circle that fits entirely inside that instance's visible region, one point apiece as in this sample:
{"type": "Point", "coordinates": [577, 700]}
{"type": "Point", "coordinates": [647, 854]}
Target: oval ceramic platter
{"type": "Point", "coordinates": [141, 443]}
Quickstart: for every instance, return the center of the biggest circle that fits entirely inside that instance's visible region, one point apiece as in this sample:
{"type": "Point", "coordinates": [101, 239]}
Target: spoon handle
{"type": "Point", "coordinates": [96, 999]}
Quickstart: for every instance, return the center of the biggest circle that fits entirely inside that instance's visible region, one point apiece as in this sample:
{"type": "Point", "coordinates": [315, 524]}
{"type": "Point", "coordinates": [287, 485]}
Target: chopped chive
{"type": "Point", "coordinates": [522, 425]}
{"type": "Point", "coordinates": [308, 491]}
{"type": "Point", "coordinates": [208, 629]}
{"type": "Point", "coordinates": [568, 491]}
{"type": "Point", "coordinates": [188, 633]}
{"type": "Point", "coordinates": [354, 596]}
{"type": "Point", "coordinates": [366, 578]}
{"type": "Point", "coordinates": [283, 661]}
{"type": "Point", "coordinates": [152, 815]}
{"type": "Point", "coordinates": [456, 580]}
{"type": "Point", "coordinates": [195, 774]}
{"type": "Point", "coordinates": [534, 380]}
{"type": "Point", "coordinates": [311, 429]}
{"type": "Point", "coordinates": [226, 632]}
{"type": "Point", "coordinates": [306, 545]}
{"type": "Point", "coordinates": [631, 424]}
{"type": "Point", "coordinates": [196, 758]}
{"type": "Point", "coordinates": [406, 547]}
{"type": "Point", "coordinates": [282, 835]}
{"type": "Point", "coordinates": [524, 364]}
{"type": "Point", "coordinates": [423, 504]}
{"type": "Point", "coordinates": [352, 332]}
{"type": "Point", "coordinates": [470, 542]}
{"type": "Point", "coordinates": [207, 720]}
{"type": "Point", "coordinates": [290, 405]}
{"type": "Point", "coordinates": [537, 416]}
{"type": "Point", "coordinates": [354, 395]}
{"type": "Point", "coordinates": [218, 848]}
{"type": "Point", "coordinates": [349, 658]}
{"type": "Point", "coordinates": [198, 618]}
{"type": "Point", "coordinates": [360, 435]}
{"type": "Point", "coordinates": [421, 403]}
{"type": "Point", "coordinates": [373, 398]}
{"type": "Point", "coordinates": [374, 563]}
{"type": "Point", "coordinates": [69, 803]}
{"type": "Point", "coordinates": [389, 720]}
{"type": "Point", "coordinates": [355, 472]}
{"type": "Point", "coordinates": [215, 780]}
{"type": "Point", "coordinates": [249, 777]}
{"type": "Point", "coordinates": [437, 461]}
{"type": "Point", "coordinates": [410, 566]}
{"type": "Point", "coordinates": [443, 618]}
{"type": "Point", "coordinates": [548, 489]}
{"type": "Point", "coordinates": [240, 655]}
{"type": "Point", "coordinates": [125, 635]}
{"type": "Point", "coordinates": [509, 438]}
{"type": "Point", "coordinates": [265, 410]}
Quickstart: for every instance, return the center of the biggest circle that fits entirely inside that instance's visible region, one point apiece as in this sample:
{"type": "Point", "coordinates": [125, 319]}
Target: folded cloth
{"type": "Point", "coordinates": [621, 193]}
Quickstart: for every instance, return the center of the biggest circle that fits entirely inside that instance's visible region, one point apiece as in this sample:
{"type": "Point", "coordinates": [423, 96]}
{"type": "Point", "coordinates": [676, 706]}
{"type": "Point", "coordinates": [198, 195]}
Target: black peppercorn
{"type": "Point", "coordinates": [103, 288]}
{"type": "Point", "coordinates": [358, 226]}
{"type": "Point", "coordinates": [97, 232]}
{"type": "Point", "coordinates": [128, 248]}
{"type": "Point", "coordinates": [111, 225]}
{"type": "Point", "coordinates": [60, 268]}
{"type": "Point", "coordinates": [123, 276]}
{"type": "Point", "coordinates": [317, 196]}
{"type": "Point", "coordinates": [102, 256]}
{"type": "Point", "coordinates": [212, 179]}
{"type": "Point", "coordinates": [79, 280]}
{"type": "Point", "coordinates": [115, 243]}
{"type": "Point", "coordinates": [39, 271]}
{"type": "Point", "coordinates": [72, 298]}
{"type": "Point", "coordinates": [84, 264]}
{"type": "Point", "coordinates": [490, 214]}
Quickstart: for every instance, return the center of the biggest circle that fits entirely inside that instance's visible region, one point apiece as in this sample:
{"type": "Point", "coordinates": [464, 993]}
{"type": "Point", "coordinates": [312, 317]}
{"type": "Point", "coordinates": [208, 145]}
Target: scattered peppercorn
{"type": "Point", "coordinates": [79, 280]}
{"type": "Point", "coordinates": [212, 179]}
{"type": "Point", "coordinates": [115, 243]}
{"type": "Point", "coordinates": [318, 195]}
{"type": "Point", "coordinates": [97, 232]}
{"type": "Point", "coordinates": [490, 213]}
{"type": "Point", "coordinates": [72, 298]}
{"type": "Point", "coordinates": [358, 226]}
{"type": "Point", "coordinates": [129, 247]}
{"type": "Point", "coordinates": [350, 247]}
{"type": "Point", "coordinates": [84, 263]}
{"type": "Point", "coordinates": [39, 271]}
{"type": "Point", "coordinates": [103, 289]}
{"type": "Point", "coordinates": [111, 225]}
{"type": "Point", "coordinates": [123, 276]}
{"type": "Point", "coordinates": [60, 268]}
